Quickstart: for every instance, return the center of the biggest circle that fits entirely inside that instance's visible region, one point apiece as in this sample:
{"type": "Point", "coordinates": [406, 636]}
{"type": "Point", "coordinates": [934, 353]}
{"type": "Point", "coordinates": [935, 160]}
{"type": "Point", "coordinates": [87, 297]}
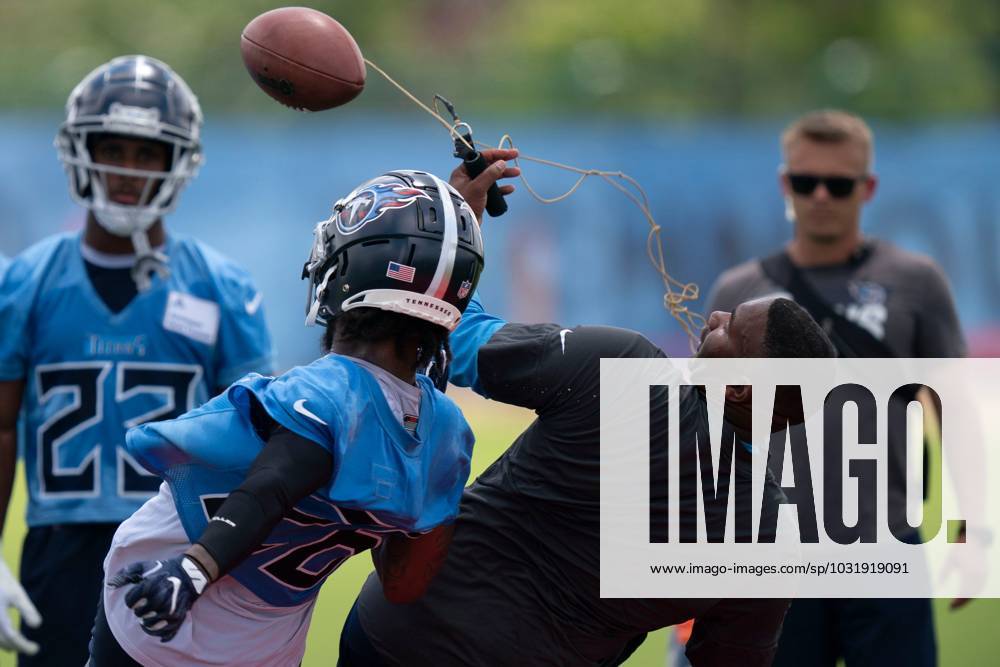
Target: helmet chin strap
{"type": "Point", "coordinates": [147, 262]}
{"type": "Point", "coordinates": [134, 223]}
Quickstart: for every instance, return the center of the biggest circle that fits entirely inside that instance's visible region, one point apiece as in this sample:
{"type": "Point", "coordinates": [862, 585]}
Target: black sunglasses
{"type": "Point", "coordinates": [839, 187]}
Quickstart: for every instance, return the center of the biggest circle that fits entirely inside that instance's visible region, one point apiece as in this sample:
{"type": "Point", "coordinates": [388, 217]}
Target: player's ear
{"type": "Point", "coordinates": [786, 190]}
{"type": "Point", "coordinates": [871, 184]}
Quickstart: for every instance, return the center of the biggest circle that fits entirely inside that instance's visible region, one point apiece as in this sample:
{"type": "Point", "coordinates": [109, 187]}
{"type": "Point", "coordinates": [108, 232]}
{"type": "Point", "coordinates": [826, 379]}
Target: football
{"type": "Point", "coordinates": [303, 58]}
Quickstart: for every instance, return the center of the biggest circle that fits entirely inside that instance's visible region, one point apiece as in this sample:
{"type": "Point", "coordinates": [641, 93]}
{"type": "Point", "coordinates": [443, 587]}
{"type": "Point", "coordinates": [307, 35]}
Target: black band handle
{"type": "Point", "coordinates": [475, 164]}
{"type": "Point", "coordinates": [496, 205]}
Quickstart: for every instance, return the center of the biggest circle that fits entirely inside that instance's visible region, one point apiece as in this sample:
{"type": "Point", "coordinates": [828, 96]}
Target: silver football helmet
{"type": "Point", "coordinates": [137, 97]}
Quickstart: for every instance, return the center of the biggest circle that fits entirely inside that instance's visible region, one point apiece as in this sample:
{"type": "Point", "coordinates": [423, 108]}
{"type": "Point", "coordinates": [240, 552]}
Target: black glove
{"type": "Point", "coordinates": [164, 591]}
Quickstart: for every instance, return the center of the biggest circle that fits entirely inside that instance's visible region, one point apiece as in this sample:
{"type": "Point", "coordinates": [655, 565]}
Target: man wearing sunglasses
{"type": "Point", "coordinates": [874, 300]}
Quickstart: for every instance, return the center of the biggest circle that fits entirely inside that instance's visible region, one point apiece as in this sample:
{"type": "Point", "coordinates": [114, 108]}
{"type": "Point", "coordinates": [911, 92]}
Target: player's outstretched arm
{"type": "Point", "coordinates": [11, 592]}
{"type": "Point", "coordinates": [407, 565]}
{"type": "Point", "coordinates": [288, 468]}
{"type": "Point", "coordinates": [474, 330]}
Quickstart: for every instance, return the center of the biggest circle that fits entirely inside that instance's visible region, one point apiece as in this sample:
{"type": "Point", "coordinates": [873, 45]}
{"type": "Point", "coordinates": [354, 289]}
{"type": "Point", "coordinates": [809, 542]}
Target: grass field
{"type": "Point", "coordinates": [966, 637]}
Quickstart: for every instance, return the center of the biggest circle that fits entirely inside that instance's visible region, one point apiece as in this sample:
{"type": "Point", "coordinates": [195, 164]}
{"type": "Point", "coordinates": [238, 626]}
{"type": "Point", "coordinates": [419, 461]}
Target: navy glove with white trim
{"type": "Point", "coordinates": [164, 592]}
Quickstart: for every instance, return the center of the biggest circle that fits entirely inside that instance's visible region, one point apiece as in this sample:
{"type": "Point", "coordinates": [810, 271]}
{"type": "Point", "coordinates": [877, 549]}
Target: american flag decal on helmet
{"type": "Point", "coordinates": [398, 271]}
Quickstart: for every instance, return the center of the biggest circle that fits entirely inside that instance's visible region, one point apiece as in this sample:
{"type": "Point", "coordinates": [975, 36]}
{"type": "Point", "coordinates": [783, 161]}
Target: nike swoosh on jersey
{"type": "Point", "coordinates": [253, 305]}
{"type": "Point", "coordinates": [562, 338]}
{"type": "Point", "coordinates": [300, 407]}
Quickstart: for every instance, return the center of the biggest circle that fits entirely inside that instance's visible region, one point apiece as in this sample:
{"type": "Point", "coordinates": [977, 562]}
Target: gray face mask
{"type": "Point", "coordinates": [157, 198]}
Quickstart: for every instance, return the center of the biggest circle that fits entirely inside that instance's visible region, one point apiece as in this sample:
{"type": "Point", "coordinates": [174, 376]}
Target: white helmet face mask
{"type": "Point", "coordinates": [316, 287]}
{"type": "Point", "coordinates": [135, 97]}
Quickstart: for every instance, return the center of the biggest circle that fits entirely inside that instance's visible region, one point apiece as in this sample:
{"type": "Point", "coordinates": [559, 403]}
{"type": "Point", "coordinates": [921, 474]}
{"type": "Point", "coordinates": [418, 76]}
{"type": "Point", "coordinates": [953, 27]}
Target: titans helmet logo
{"type": "Point", "coordinates": [370, 203]}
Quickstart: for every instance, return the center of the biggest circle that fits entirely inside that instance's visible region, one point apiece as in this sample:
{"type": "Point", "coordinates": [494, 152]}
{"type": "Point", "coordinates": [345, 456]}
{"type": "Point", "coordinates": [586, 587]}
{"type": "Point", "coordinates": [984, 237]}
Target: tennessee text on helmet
{"type": "Point", "coordinates": [138, 97]}
{"type": "Point", "coordinates": [406, 242]}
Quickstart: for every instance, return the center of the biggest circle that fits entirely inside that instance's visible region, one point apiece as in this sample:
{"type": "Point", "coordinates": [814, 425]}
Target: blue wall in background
{"type": "Point", "coordinates": [712, 187]}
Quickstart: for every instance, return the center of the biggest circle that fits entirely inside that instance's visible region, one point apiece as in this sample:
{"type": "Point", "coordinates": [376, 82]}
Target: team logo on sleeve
{"type": "Point", "coordinates": [369, 204]}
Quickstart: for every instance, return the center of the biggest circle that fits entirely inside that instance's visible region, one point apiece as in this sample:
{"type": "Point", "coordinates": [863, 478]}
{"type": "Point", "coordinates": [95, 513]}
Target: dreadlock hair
{"type": "Point", "coordinates": [792, 332]}
{"type": "Point", "coordinates": [374, 325]}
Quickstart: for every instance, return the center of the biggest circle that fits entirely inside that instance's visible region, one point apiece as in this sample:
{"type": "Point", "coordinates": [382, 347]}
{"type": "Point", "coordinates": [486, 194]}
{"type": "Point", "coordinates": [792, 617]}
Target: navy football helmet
{"type": "Point", "coordinates": [405, 242]}
{"type": "Point", "coordinates": [139, 97]}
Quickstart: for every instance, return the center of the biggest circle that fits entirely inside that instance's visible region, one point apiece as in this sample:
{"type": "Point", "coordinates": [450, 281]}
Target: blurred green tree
{"type": "Point", "coordinates": [903, 59]}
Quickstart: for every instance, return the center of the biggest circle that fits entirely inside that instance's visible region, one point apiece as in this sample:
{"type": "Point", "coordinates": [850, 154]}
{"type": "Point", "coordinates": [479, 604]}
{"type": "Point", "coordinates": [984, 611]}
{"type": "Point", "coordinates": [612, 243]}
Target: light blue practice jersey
{"type": "Point", "coordinates": [91, 374]}
{"type": "Point", "coordinates": [473, 332]}
{"type": "Point", "coordinates": [385, 479]}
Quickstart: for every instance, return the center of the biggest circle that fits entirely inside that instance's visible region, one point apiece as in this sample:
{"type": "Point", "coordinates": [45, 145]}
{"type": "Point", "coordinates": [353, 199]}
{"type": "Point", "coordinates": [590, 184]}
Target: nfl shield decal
{"type": "Point", "coordinates": [463, 289]}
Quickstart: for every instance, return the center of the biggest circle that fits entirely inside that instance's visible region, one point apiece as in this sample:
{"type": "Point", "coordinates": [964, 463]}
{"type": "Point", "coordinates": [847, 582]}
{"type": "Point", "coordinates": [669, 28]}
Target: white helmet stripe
{"type": "Point", "coordinates": [446, 260]}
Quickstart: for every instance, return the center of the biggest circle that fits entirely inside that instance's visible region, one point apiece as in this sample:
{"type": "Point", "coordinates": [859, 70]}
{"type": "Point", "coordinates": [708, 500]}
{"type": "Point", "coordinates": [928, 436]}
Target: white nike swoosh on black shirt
{"type": "Point", "coordinates": [562, 338]}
